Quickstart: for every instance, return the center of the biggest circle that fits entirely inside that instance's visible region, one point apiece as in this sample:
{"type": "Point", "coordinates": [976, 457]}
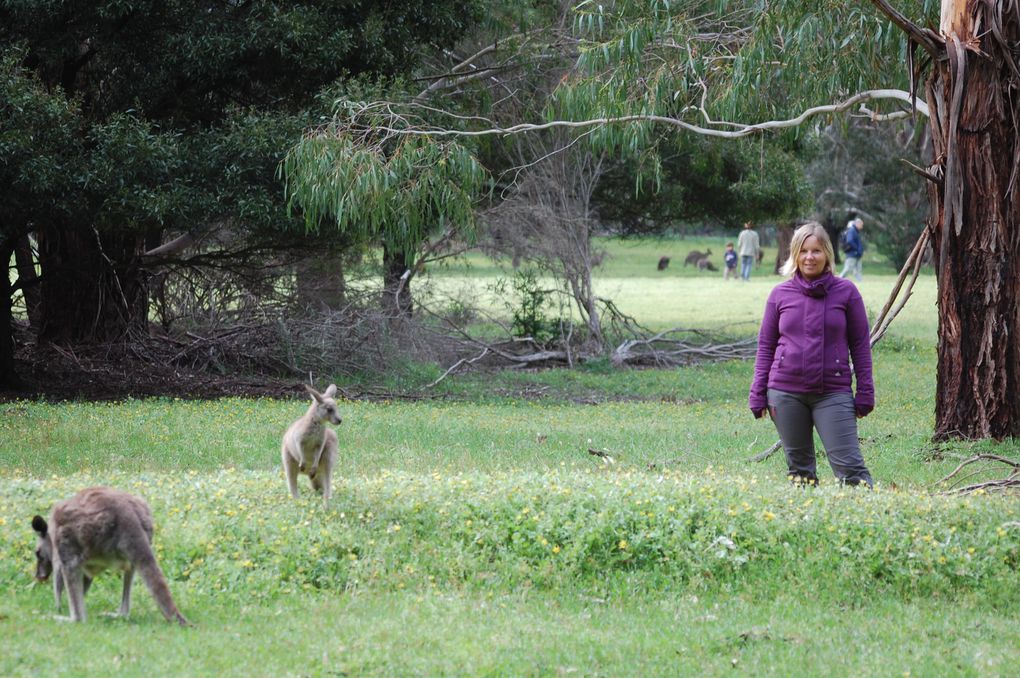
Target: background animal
{"type": "Point", "coordinates": [97, 528]}
{"type": "Point", "coordinates": [705, 264]}
{"type": "Point", "coordinates": [663, 263]}
{"type": "Point", "coordinates": [695, 256]}
{"type": "Point", "coordinates": [310, 447]}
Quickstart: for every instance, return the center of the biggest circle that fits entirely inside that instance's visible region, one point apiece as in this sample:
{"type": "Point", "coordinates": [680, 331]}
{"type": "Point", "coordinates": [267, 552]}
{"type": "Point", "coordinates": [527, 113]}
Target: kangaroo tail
{"type": "Point", "coordinates": [156, 582]}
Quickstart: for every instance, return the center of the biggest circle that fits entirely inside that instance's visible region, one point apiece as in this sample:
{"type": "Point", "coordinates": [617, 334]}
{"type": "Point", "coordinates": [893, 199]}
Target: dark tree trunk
{"type": "Point", "coordinates": [320, 282]}
{"type": "Point", "coordinates": [833, 228]}
{"type": "Point", "coordinates": [975, 222]}
{"type": "Point", "coordinates": [396, 283]}
{"type": "Point", "coordinates": [28, 280]}
{"type": "Point", "coordinates": [784, 236]}
{"type": "Point", "coordinates": [91, 291]}
{"type": "Point", "coordinates": [9, 378]}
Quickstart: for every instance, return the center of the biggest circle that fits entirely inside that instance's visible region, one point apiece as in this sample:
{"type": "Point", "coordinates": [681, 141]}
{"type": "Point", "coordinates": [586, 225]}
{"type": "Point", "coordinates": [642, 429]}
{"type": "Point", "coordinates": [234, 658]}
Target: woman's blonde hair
{"type": "Point", "coordinates": [811, 228]}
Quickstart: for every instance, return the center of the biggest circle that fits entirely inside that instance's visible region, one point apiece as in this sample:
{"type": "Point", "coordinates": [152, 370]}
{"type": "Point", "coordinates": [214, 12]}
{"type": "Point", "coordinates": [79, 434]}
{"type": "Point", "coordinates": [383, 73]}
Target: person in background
{"type": "Point", "coordinates": [747, 248]}
{"type": "Point", "coordinates": [814, 328]}
{"type": "Point", "coordinates": [729, 262]}
{"type": "Point", "coordinates": [853, 248]}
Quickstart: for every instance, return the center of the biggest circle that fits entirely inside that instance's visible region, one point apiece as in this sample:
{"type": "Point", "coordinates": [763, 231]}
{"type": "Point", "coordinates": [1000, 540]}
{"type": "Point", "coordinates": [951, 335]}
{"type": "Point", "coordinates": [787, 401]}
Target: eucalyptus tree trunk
{"type": "Point", "coordinates": [975, 221]}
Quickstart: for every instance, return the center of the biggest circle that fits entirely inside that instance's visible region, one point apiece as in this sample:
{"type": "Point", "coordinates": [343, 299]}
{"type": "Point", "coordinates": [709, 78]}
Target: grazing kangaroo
{"type": "Point", "coordinates": [706, 264]}
{"type": "Point", "coordinates": [695, 256]}
{"type": "Point", "coordinates": [95, 529]}
{"type": "Point", "coordinates": [663, 263]}
{"type": "Point", "coordinates": [310, 447]}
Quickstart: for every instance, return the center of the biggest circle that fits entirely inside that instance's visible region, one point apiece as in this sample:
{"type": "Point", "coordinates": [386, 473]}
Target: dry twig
{"type": "Point", "coordinates": [1010, 482]}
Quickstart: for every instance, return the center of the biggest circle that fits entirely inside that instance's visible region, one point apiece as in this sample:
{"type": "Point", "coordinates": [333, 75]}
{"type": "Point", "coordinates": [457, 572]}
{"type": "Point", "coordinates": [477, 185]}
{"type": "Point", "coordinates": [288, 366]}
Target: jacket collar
{"type": "Point", "coordinates": [818, 287]}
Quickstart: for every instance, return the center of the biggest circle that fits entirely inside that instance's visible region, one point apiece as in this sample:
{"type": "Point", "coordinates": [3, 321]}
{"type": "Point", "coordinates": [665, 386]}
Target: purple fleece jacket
{"type": "Point", "coordinates": [809, 333]}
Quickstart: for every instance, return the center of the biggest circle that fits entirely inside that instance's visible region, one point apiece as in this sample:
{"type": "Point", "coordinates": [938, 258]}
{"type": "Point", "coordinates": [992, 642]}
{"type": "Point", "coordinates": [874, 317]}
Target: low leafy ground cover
{"type": "Point", "coordinates": [524, 572]}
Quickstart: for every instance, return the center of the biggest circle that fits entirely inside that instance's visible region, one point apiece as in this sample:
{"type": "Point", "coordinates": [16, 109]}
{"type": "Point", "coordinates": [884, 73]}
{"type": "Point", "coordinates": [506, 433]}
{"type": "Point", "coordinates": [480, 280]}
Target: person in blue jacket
{"type": "Point", "coordinates": [813, 344]}
{"type": "Point", "coordinates": [729, 262]}
{"type": "Point", "coordinates": [853, 248]}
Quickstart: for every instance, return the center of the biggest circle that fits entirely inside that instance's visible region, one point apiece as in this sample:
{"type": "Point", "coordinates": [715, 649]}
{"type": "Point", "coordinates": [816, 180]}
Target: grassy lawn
{"type": "Point", "coordinates": [683, 296]}
{"type": "Point", "coordinates": [473, 534]}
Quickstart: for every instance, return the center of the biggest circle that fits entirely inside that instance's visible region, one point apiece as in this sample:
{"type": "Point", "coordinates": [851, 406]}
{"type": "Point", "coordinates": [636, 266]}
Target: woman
{"type": "Point", "coordinates": [814, 325]}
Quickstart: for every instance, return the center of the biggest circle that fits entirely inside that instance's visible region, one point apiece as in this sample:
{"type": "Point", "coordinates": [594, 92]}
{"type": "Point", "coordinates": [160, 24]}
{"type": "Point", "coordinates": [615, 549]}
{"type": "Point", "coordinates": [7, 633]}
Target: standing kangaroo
{"type": "Point", "coordinates": [310, 447]}
{"type": "Point", "coordinates": [98, 528]}
{"type": "Point", "coordinates": [695, 256]}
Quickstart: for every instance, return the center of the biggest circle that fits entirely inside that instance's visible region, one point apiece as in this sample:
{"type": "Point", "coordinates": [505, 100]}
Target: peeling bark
{"type": "Point", "coordinates": [975, 219]}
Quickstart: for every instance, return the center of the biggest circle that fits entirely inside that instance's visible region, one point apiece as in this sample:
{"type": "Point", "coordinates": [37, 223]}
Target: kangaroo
{"type": "Point", "coordinates": [706, 264]}
{"type": "Point", "coordinates": [309, 447]}
{"type": "Point", "coordinates": [663, 263]}
{"type": "Point", "coordinates": [695, 256]}
{"type": "Point", "coordinates": [97, 528]}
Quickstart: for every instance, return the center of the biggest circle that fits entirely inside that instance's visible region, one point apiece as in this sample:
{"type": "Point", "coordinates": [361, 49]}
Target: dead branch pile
{"type": "Point", "coordinates": [972, 476]}
{"type": "Point", "coordinates": [681, 347]}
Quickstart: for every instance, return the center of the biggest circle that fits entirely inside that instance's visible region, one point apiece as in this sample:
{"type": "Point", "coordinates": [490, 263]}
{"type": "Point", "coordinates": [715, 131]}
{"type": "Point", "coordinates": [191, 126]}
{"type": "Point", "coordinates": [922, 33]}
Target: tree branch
{"type": "Point", "coordinates": [742, 131]}
{"type": "Point", "coordinates": [924, 37]}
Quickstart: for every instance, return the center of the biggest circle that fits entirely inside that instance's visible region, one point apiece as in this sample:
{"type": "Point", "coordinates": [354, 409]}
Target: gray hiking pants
{"type": "Point", "coordinates": [833, 415]}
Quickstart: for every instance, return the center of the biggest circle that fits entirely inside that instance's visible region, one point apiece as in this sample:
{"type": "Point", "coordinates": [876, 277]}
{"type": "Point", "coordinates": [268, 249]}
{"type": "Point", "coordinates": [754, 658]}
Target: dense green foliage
{"type": "Point", "coordinates": [788, 54]}
{"type": "Point", "coordinates": [397, 194]}
{"type": "Point", "coordinates": [707, 184]}
{"type": "Point", "coordinates": [153, 119]}
{"type": "Point", "coordinates": [38, 141]}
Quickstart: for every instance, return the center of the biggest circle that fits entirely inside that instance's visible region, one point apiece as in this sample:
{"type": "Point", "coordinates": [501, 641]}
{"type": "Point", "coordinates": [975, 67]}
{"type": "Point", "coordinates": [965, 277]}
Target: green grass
{"type": "Point", "coordinates": [693, 416]}
{"type": "Point", "coordinates": [683, 296]}
{"type": "Point", "coordinates": [528, 634]}
{"type": "Point", "coordinates": [473, 533]}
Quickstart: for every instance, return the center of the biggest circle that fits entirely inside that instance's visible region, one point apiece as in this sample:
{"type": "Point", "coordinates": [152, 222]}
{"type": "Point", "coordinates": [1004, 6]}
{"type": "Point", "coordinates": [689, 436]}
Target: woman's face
{"type": "Point", "coordinates": [811, 262]}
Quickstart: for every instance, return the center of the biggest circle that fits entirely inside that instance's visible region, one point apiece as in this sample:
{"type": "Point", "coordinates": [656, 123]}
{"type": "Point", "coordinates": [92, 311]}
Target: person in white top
{"type": "Point", "coordinates": [747, 248]}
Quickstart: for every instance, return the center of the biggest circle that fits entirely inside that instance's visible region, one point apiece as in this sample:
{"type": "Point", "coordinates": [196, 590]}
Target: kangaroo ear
{"type": "Point", "coordinates": [316, 396]}
{"type": "Point", "coordinates": [39, 525]}
{"type": "Point", "coordinates": [331, 391]}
